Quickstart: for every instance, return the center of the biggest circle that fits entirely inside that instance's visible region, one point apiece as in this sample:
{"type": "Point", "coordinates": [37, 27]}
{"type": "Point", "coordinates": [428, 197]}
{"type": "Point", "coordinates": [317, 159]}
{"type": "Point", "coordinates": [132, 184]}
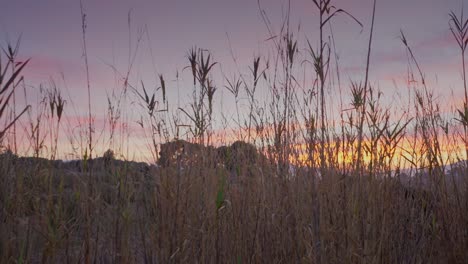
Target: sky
{"type": "Point", "coordinates": [51, 35]}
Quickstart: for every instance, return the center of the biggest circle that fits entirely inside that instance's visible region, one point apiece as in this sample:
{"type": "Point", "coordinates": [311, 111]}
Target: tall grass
{"type": "Point", "coordinates": [10, 79]}
{"type": "Point", "coordinates": [296, 183]}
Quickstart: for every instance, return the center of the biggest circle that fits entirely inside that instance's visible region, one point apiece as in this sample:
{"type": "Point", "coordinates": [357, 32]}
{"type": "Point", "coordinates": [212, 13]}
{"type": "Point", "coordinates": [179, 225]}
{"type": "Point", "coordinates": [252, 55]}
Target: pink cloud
{"type": "Point", "coordinates": [42, 67]}
{"type": "Point", "coordinates": [441, 40]}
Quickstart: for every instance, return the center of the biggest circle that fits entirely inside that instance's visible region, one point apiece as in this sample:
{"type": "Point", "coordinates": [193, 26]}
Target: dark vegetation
{"type": "Point", "coordinates": [293, 188]}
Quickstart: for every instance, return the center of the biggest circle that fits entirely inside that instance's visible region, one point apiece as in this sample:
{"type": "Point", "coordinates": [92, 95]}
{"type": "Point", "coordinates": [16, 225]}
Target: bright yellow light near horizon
{"type": "Point", "coordinates": [405, 155]}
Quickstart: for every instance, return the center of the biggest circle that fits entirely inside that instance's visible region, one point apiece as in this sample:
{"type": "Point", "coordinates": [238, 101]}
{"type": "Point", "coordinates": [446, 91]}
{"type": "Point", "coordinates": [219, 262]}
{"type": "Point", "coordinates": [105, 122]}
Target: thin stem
{"type": "Point", "coordinates": [88, 85]}
{"type": "Point", "coordinates": [465, 104]}
{"type": "Point", "coordinates": [363, 107]}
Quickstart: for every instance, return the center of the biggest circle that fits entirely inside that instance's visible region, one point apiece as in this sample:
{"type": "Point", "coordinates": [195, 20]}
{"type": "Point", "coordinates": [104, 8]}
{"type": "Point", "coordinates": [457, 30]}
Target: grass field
{"type": "Point", "coordinates": [294, 182]}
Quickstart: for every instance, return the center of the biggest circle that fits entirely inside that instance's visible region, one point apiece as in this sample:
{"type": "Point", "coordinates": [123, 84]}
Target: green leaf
{"type": "Point", "coordinates": [221, 192]}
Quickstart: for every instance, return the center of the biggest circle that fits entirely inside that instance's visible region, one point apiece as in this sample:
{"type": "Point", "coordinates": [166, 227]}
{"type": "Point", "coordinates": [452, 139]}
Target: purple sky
{"type": "Point", "coordinates": [51, 31]}
{"type": "Point", "coordinates": [51, 36]}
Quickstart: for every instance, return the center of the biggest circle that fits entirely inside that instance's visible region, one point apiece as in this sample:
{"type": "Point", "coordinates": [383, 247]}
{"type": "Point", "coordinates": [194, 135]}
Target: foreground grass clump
{"type": "Point", "coordinates": [158, 214]}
